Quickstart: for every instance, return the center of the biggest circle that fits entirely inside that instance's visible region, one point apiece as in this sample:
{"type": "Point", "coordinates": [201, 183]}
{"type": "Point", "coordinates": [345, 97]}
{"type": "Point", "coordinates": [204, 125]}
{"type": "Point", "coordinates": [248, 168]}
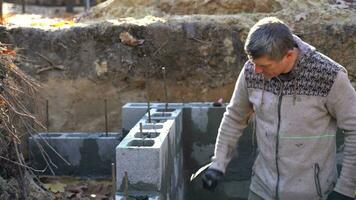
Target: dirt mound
{"type": "Point", "coordinates": [55, 2]}
{"type": "Point", "coordinates": [218, 7]}
{"type": "Point", "coordinates": [113, 9]}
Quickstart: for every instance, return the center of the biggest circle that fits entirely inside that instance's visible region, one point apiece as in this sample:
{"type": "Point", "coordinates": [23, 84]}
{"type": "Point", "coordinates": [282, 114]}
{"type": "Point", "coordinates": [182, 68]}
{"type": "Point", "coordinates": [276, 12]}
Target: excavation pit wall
{"type": "Point", "coordinates": [86, 154]}
{"type": "Point", "coordinates": [83, 65]}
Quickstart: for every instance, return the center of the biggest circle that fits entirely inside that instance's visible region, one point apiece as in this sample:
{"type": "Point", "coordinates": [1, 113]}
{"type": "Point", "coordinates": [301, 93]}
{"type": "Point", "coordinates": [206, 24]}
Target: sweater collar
{"type": "Point", "coordinates": [305, 50]}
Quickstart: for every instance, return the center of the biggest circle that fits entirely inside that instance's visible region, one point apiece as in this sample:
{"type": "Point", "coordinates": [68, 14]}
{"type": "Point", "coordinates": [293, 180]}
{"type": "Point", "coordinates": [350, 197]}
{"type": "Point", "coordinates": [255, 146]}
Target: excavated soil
{"type": "Point", "coordinates": [114, 9]}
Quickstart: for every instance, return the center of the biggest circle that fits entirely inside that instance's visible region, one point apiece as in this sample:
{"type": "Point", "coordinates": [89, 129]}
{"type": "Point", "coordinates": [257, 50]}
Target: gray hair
{"type": "Point", "coordinates": [269, 37]}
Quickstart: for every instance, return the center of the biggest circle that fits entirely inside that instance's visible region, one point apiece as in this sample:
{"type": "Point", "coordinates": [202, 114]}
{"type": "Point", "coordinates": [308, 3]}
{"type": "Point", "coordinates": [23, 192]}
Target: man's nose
{"type": "Point", "coordinates": [258, 69]}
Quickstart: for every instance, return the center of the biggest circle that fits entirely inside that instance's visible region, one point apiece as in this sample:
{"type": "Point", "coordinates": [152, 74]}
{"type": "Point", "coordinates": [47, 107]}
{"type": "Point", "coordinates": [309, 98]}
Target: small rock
{"type": "Point", "coordinates": [301, 16]}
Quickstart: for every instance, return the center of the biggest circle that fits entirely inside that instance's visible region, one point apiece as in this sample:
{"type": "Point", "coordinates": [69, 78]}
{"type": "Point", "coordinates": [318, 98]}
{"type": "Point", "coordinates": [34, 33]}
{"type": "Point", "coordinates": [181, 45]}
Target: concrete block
{"type": "Point", "coordinates": [144, 156]}
{"type": "Point", "coordinates": [161, 114]}
{"type": "Point", "coordinates": [161, 166]}
{"type": "Point", "coordinates": [89, 154]}
{"type": "Point", "coordinates": [201, 122]}
{"type": "Point", "coordinates": [175, 162]}
{"type": "Point", "coordinates": [133, 112]}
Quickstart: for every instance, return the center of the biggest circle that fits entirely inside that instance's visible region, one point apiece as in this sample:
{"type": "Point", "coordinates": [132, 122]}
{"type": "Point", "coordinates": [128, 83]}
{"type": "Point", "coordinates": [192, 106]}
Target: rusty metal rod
{"type": "Point", "coordinates": [23, 6]}
{"type": "Point", "coordinates": [141, 128]}
{"type": "Point", "coordinates": [149, 111]}
{"type": "Point", "coordinates": [165, 88]}
{"type": "Point", "coordinates": [70, 6]}
{"type": "Point", "coordinates": [106, 118]}
{"type": "Point", "coordinates": [113, 176]}
{"type": "Point", "coordinates": [47, 116]}
{"type": "Point", "coordinates": [87, 5]}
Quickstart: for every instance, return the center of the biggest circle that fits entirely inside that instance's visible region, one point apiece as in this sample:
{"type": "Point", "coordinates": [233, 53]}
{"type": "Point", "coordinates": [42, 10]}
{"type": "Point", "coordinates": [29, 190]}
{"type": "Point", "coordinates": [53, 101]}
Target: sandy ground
{"type": "Point", "coordinates": [38, 16]}
{"type": "Point", "coordinates": [135, 12]}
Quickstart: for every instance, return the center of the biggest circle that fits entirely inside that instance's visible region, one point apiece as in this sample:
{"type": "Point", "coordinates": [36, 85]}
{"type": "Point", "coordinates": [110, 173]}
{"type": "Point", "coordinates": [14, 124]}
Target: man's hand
{"type": "Point", "coordinates": [337, 196]}
{"type": "Point", "coordinates": [211, 179]}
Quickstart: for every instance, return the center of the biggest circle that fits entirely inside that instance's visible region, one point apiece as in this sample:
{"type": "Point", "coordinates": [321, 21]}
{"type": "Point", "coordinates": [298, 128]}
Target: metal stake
{"type": "Point", "coordinates": [147, 93]}
{"type": "Point", "coordinates": [141, 128]}
{"type": "Point", "coordinates": [149, 111]}
{"type": "Point", "coordinates": [87, 5]}
{"type": "Point", "coordinates": [70, 6]}
{"type": "Point", "coordinates": [47, 116]}
{"type": "Point", "coordinates": [165, 88]}
{"type": "Point", "coordinates": [23, 6]}
{"type": "Point", "coordinates": [113, 176]}
{"type": "Point", "coordinates": [106, 118]}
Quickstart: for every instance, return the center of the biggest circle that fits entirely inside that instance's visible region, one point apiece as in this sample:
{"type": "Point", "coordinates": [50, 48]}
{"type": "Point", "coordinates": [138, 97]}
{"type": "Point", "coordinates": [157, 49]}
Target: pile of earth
{"type": "Point", "coordinates": [323, 9]}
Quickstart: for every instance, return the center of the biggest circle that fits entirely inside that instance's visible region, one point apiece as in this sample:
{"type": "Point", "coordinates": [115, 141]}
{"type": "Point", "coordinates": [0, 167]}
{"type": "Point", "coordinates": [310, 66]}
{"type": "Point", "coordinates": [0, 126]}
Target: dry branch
{"type": "Point", "coordinates": [15, 118]}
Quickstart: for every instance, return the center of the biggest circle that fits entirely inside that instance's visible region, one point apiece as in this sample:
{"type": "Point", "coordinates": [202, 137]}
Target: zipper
{"type": "Point", "coordinates": [317, 181]}
{"type": "Point", "coordinates": [280, 97]}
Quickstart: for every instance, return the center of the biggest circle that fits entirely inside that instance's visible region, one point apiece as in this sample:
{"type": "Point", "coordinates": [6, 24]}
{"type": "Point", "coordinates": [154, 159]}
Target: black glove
{"type": "Point", "coordinates": [211, 178]}
{"type": "Point", "coordinates": [337, 196]}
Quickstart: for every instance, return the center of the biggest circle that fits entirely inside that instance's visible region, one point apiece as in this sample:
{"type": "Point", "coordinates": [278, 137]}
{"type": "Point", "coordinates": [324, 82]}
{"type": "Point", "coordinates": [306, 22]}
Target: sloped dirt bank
{"type": "Point", "coordinates": [82, 66]}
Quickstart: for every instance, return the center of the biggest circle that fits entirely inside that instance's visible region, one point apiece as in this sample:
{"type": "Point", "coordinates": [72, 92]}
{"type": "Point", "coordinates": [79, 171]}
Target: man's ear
{"type": "Point", "coordinates": [289, 54]}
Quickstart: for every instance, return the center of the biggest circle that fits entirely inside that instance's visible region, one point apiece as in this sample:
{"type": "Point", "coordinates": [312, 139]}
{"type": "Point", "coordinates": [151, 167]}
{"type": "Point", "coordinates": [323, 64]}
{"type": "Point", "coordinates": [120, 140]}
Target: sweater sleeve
{"type": "Point", "coordinates": [341, 104]}
{"type": "Point", "coordinates": [235, 119]}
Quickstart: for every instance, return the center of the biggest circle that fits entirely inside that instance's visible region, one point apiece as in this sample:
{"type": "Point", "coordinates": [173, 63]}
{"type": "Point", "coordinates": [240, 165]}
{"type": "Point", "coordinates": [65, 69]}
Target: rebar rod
{"type": "Point", "coordinates": [149, 111]}
{"type": "Point", "coordinates": [113, 177]}
{"type": "Point", "coordinates": [47, 116]}
{"type": "Point", "coordinates": [87, 5]}
{"type": "Point", "coordinates": [106, 118]}
{"type": "Point", "coordinates": [165, 88]}
{"type": "Point", "coordinates": [23, 6]}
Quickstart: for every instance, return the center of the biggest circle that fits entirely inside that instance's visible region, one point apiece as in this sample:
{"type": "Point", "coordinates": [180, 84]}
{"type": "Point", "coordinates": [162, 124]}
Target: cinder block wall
{"type": "Point", "coordinates": [77, 154]}
{"type": "Point", "coordinates": [200, 126]}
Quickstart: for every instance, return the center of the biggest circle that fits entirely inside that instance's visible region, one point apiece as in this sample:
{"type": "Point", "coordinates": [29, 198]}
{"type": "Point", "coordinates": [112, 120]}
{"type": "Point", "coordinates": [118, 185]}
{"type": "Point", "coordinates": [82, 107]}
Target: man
{"type": "Point", "coordinates": [298, 98]}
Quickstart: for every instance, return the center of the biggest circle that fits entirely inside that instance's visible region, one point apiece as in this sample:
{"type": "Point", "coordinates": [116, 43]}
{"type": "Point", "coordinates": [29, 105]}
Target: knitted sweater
{"type": "Point", "coordinates": [296, 122]}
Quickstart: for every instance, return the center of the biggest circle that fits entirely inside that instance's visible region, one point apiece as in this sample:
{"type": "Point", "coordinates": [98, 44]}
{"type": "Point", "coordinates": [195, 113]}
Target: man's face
{"type": "Point", "coordinates": [268, 67]}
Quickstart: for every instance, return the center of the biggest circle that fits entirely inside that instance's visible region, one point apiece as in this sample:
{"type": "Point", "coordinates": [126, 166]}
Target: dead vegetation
{"type": "Point", "coordinates": [16, 122]}
{"type": "Point", "coordinates": [17, 178]}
